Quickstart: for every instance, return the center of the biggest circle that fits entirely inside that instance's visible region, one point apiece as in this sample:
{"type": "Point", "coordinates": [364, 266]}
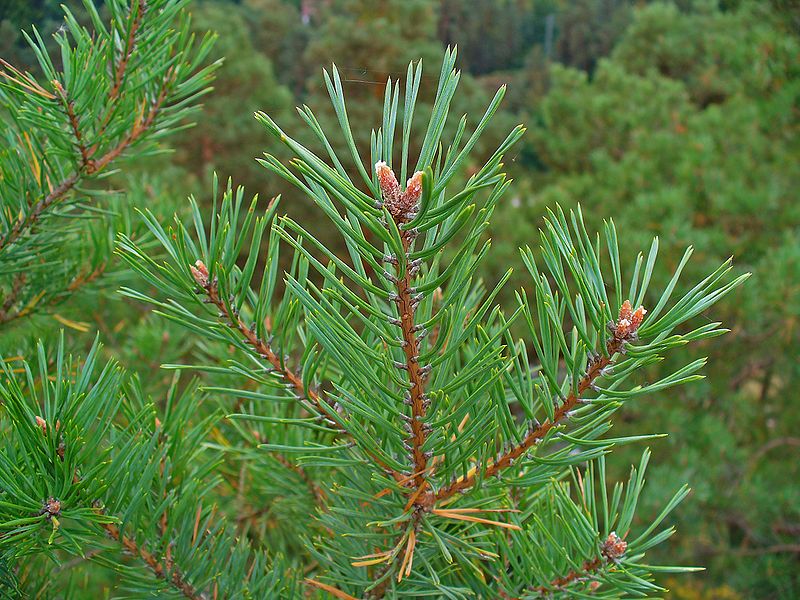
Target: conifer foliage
{"type": "Point", "coordinates": [384, 390]}
{"type": "Point", "coordinates": [444, 452]}
{"type": "Point", "coordinates": [112, 90]}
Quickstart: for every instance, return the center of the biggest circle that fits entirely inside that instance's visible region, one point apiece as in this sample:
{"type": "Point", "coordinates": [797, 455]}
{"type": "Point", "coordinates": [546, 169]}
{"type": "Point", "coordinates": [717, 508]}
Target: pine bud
{"type": "Point", "coordinates": [42, 424]}
{"type": "Point", "coordinates": [614, 546]}
{"type": "Point", "coordinates": [638, 317]}
{"type": "Point", "coordinates": [414, 188]}
{"type": "Point", "coordinates": [200, 273]}
{"type": "Point", "coordinates": [390, 188]}
{"type": "Point", "coordinates": [51, 508]}
{"type": "Point", "coordinates": [625, 311]}
{"type": "Point", "coordinates": [623, 328]}
{"type": "Point", "coordinates": [628, 321]}
{"type": "Point", "coordinates": [400, 204]}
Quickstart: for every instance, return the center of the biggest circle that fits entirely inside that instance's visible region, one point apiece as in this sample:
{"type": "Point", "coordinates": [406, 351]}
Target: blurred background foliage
{"type": "Point", "coordinates": [676, 119]}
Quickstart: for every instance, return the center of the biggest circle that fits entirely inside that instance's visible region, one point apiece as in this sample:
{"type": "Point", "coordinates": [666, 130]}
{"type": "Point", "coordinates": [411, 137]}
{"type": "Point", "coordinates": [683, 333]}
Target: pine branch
{"type": "Point", "coordinates": [74, 123]}
{"type": "Point", "coordinates": [589, 567]}
{"type": "Point", "coordinates": [122, 63]}
{"type": "Point", "coordinates": [28, 220]}
{"type": "Point", "coordinates": [401, 204]}
{"type": "Point", "coordinates": [345, 332]}
{"type": "Point", "coordinates": [263, 349]}
{"type": "Point", "coordinates": [141, 126]}
{"type": "Point", "coordinates": [6, 314]}
{"type": "Point", "coordinates": [77, 283]}
{"type": "Point", "coordinates": [159, 566]}
{"type": "Point", "coordinates": [59, 193]}
{"type": "Point", "coordinates": [611, 551]}
{"type": "Point", "coordinates": [623, 331]}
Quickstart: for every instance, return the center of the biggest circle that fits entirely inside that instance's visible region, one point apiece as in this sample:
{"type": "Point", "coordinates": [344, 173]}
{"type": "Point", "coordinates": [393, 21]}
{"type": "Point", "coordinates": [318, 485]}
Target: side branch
{"type": "Point", "coordinates": [26, 221]}
{"type": "Point", "coordinates": [130, 41]}
{"type": "Point", "coordinates": [589, 567]}
{"type": "Point", "coordinates": [174, 576]}
{"type": "Point", "coordinates": [611, 550]}
{"type": "Point", "coordinates": [74, 123]}
{"type": "Point", "coordinates": [493, 467]}
{"type": "Point", "coordinates": [624, 330]}
{"type": "Point", "coordinates": [140, 126]}
{"type": "Point", "coordinates": [9, 313]}
{"type": "Point", "coordinates": [122, 66]}
{"type": "Point", "coordinates": [263, 349]}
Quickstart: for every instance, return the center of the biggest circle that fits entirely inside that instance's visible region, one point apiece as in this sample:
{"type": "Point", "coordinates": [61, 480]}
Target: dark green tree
{"type": "Point", "coordinates": [226, 141]}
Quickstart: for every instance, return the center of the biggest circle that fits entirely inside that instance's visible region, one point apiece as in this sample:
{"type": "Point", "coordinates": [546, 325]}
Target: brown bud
{"type": "Point", "coordinates": [52, 507]}
{"type": "Point", "coordinates": [637, 318]}
{"type": "Point", "coordinates": [399, 203]}
{"type": "Point", "coordinates": [629, 320]}
{"type": "Point", "coordinates": [625, 311]}
{"type": "Point", "coordinates": [623, 329]}
{"type": "Point", "coordinates": [414, 189]}
{"type": "Point", "coordinates": [390, 188]}
{"type": "Point", "coordinates": [200, 273]}
{"type": "Point", "coordinates": [42, 424]}
{"type": "Point", "coordinates": [614, 546]}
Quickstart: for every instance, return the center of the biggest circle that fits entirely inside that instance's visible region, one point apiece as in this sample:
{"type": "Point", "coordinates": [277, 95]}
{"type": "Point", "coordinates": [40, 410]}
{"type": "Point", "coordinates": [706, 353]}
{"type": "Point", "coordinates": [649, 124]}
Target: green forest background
{"type": "Point", "coordinates": [675, 119]}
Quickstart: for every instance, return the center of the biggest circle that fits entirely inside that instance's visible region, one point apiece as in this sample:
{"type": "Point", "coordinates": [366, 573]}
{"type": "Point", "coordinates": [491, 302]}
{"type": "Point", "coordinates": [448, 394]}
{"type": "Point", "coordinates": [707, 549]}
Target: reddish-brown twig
{"type": "Point", "coordinates": [263, 349]}
{"type": "Point", "coordinates": [154, 563]}
{"type": "Point", "coordinates": [611, 551]}
{"type": "Point", "coordinates": [622, 332]}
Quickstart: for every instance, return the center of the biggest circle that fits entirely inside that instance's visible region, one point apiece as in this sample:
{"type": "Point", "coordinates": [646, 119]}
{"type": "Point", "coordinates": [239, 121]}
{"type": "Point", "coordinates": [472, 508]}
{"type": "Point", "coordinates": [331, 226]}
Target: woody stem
{"type": "Point", "coordinates": [533, 437]}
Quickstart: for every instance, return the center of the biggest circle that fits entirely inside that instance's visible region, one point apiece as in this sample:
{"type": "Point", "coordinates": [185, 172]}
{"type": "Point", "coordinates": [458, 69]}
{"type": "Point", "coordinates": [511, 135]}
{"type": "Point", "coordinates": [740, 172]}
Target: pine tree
{"type": "Point", "coordinates": [367, 424]}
